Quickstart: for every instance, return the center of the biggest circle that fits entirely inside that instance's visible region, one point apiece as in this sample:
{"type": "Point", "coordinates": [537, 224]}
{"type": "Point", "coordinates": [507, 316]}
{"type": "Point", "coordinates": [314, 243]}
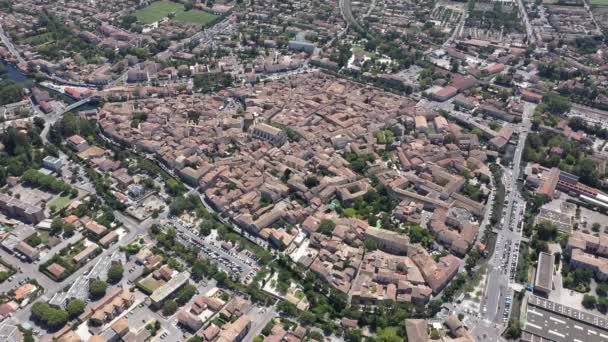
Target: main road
{"type": "Point", "coordinates": [9, 45]}
{"type": "Point", "coordinates": [503, 263]}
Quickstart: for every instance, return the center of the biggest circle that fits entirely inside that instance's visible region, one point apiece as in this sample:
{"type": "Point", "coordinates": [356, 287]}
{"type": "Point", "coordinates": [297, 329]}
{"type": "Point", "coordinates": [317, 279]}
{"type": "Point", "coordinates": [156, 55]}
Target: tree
{"type": "Point", "coordinates": [57, 318]}
{"type": "Point", "coordinates": [75, 307]}
{"type": "Point", "coordinates": [556, 104]}
{"type": "Point", "coordinates": [326, 227]}
{"type": "Point", "coordinates": [115, 273]}
{"type": "Point", "coordinates": [308, 318]}
{"type": "Point", "coordinates": [546, 231]}
{"type": "Point", "coordinates": [311, 182]}
{"type": "Point", "coordinates": [602, 289]}
{"type": "Point", "coordinates": [97, 288]}
{"type": "Point", "coordinates": [10, 92]}
{"type": "Point", "coordinates": [388, 334]}
{"type": "Point", "coordinates": [52, 316]}
{"type": "Point", "coordinates": [589, 301]}
{"type": "Point", "coordinates": [602, 305]}
{"type": "Point", "coordinates": [514, 330]}
{"type": "Point", "coordinates": [212, 81]}
{"type": "Point", "coordinates": [185, 294]}
{"type": "Point", "coordinates": [169, 308]}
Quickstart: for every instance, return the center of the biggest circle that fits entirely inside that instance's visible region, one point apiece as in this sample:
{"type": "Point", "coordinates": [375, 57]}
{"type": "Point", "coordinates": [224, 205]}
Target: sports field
{"type": "Point", "coordinates": [195, 17]}
{"type": "Point", "coordinates": [599, 2]}
{"type": "Point", "coordinates": [161, 9]}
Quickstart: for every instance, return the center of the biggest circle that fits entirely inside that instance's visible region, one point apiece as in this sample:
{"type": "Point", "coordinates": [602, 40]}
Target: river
{"type": "Point", "coordinates": [12, 73]}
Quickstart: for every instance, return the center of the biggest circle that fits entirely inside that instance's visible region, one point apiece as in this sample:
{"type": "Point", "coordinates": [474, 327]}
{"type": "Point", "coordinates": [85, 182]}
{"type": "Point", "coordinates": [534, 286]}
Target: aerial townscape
{"type": "Point", "coordinates": [312, 170]}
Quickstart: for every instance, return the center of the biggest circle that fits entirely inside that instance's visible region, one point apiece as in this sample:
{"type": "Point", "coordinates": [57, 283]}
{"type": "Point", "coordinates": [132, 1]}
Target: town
{"type": "Point", "coordinates": [254, 170]}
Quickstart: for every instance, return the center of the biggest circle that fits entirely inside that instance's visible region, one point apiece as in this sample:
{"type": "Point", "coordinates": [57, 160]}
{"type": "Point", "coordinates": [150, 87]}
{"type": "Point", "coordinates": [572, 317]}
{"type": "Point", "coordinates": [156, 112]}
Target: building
{"type": "Point", "coordinates": [307, 47]}
{"type": "Point", "coordinates": [191, 176]}
{"type": "Point", "coordinates": [236, 331]}
{"type": "Point", "coordinates": [108, 239]}
{"type": "Point", "coordinates": [95, 228]}
{"type": "Point", "coordinates": [28, 251]}
{"type": "Point", "coordinates": [174, 284]}
{"type": "Point", "coordinates": [543, 281]}
{"type": "Point", "coordinates": [589, 252]}
{"type": "Point", "coordinates": [531, 96]}
{"type": "Point", "coordinates": [388, 241]}
{"type": "Point", "coordinates": [421, 124]}
{"type": "Point", "coordinates": [52, 163]}
{"type": "Point", "coordinates": [269, 133]}
{"type": "Point", "coordinates": [109, 307]}
{"type": "Point", "coordinates": [85, 254]}
{"type": "Point", "coordinates": [551, 321]}
{"type": "Point", "coordinates": [9, 333]}
{"type": "Point", "coordinates": [445, 93]}
{"type": "Point", "coordinates": [187, 319]}
{"type": "Point", "coordinates": [77, 143]}
{"type": "Point", "coordinates": [25, 212]}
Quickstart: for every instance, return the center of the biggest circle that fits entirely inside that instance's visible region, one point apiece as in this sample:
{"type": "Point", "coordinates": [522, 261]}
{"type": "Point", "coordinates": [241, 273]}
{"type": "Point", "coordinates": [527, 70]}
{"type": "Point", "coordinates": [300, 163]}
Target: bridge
{"type": "Point", "coordinates": [53, 117]}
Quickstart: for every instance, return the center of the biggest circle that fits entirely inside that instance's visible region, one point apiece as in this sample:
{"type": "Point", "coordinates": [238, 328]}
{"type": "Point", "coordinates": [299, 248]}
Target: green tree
{"type": "Point", "coordinates": [388, 334]}
{"type": "Point", "coordinates": [75, 307]}
{"type": "Point", "coordinates": [311, 182]}
{"type": "Point", "coordinates": [115, 273]}
{"type": "Point", "coordinates": [169, 308]}
{"type": "Point", "coordinates": [97, 288]}
{"type": "Point", "coordinates": [513, 331]}
{"type": "Point", "coordinates": [589, 301]}
{"type": "Point", "coordinates": [326, 227]}
{"type": "Point", "coordinates": [546, 231]}
{"type": "Point", "coordinates": [10, 92]}
{"type": "Point", "coordinates": [602, 289]}
{"type": "Point", "coordinates": [185, 294]}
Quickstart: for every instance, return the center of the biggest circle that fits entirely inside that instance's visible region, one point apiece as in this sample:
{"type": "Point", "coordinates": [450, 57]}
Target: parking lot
{"type": "Point", "coordinates": [556, 322]}
{"type": "Point", "coordinates": [229, 260]}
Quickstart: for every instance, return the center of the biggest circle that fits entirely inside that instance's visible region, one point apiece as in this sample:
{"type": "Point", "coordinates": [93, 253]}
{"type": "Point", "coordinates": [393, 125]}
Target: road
{"type": "Point", "coordinates": [503, 262]}
{"type": "Point", "coordinates": [457, 29]}
{"type": "Point", "coordinates": [56, 115]}
{"type": "Point", "coordinates": [347, 13]}
{"type": "Point", "coordinates": [529, 29]}
{"type": "Point", "coordinates": [9, 45]}
{"type": "Point", "coordinates": [259, 318]}
{"type": "Point", "coordinates": [135, 231]}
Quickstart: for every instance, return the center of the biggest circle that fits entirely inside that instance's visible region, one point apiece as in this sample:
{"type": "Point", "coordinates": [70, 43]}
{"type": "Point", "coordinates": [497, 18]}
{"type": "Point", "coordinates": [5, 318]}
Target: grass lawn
{"type": "Point", "coordinates": [599, 2]}
{"type": "Point", "coordinates": [158, 10]}
{"type": "Point", "coordinates": [151, 284]}
{"type": "Point", "coordinates": [195, 17]}
{"type": "Point", "coordinates": [60, 202]}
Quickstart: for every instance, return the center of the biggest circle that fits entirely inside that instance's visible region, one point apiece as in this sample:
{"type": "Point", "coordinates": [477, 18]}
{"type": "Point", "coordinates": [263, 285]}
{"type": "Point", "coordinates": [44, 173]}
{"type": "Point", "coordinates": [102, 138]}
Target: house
{"type": "Point", "coordinates": [95, 228]}
{"type": "Point", "coordinates": [108, 239]}
{"type": "Point", "coordinates": [28, 251]}
{"type": "Point", "coordinates": [24, 290]}
{"type": "Point", "coordinates": [52, 163]}
{"type": "Point", "coordinates": [77, 143]}
{"type": "Point", "coordinates": [187, 319]}
{"type": "Point", "coordinates": [85, 254]}
{"type": "Point", "coordinates": [56, 270]}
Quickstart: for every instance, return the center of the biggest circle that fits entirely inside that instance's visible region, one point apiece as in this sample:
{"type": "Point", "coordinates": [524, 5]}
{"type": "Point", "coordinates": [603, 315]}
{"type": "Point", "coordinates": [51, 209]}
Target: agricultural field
{"type": "Point", "coordinates": [161, 9]}
{"type": "Point", "coordinates": [599, 2]}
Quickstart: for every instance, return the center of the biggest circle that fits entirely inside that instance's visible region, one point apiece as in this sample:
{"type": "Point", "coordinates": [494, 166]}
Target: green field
{"type": "Point", "coordinates": [151, 284]}
{"type": "Point", "coordinates": [195, 17]}
{"type": "Point", "coordinates": [599, 2]}
{"type": "Point", "coordinates": [60, 202]}
{"type": "Point", "coordinates": [161, 9]}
